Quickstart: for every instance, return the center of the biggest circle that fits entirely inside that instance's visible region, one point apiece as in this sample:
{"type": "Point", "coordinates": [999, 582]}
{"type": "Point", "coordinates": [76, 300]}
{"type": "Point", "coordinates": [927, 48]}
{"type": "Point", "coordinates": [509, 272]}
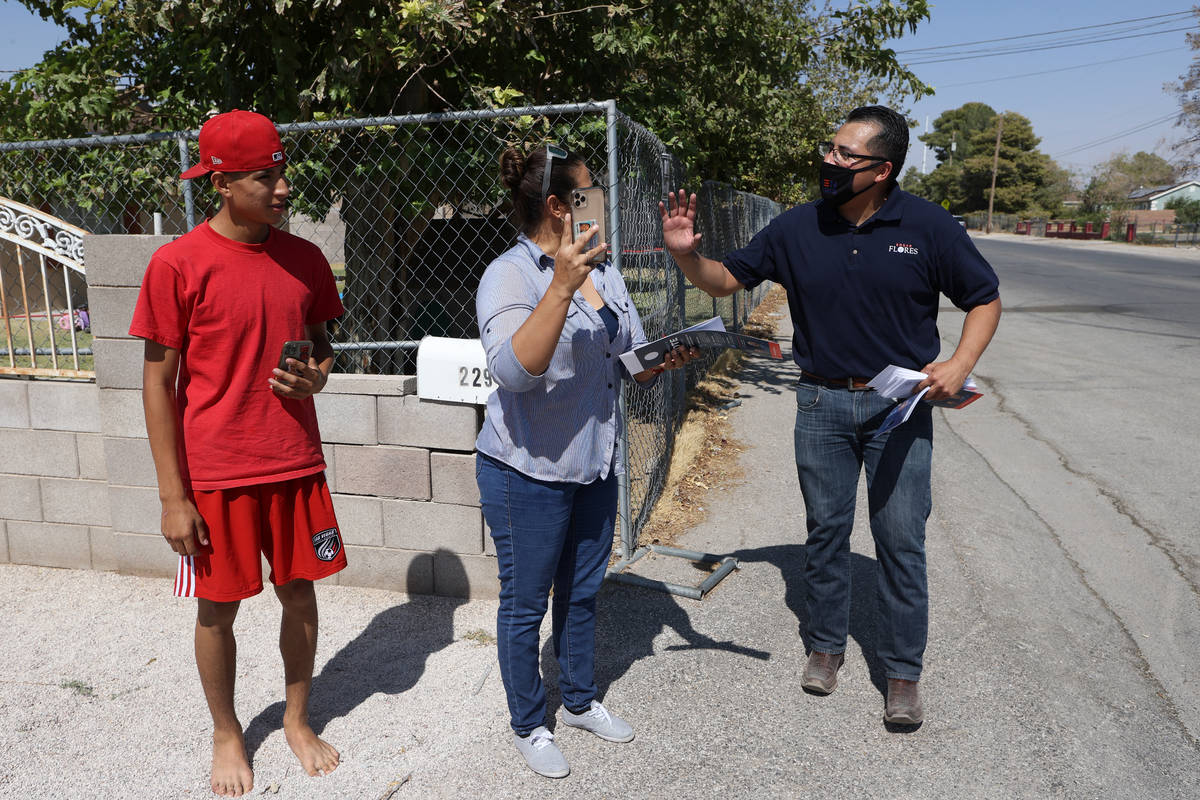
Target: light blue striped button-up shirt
{"type": "Point", "coordinates": [562, 425]}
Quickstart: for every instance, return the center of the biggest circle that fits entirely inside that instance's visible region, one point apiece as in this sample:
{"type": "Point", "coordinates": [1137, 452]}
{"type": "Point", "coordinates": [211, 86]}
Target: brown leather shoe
{"type": "Point", "coordinates": [903, 703]}
{"type": "Point", "coordinates": [820, 674]}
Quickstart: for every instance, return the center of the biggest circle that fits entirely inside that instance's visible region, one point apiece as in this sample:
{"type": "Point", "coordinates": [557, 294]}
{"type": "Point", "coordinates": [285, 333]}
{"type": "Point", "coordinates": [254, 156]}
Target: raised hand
{"type": "Point", "coordinates": [679, 223]}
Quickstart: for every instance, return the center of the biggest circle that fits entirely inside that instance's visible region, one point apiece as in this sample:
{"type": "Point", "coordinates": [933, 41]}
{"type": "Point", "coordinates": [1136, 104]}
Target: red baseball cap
{"type": "Point", "coordinates": [237, 141]}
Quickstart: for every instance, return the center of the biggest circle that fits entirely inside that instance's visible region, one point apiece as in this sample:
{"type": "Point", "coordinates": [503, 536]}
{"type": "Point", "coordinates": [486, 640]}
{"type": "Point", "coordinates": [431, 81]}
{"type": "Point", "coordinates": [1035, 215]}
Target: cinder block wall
{"type": "Point", "coordinates": [83, 494]}
{"type": "Point", "coordinates": [54, 507]}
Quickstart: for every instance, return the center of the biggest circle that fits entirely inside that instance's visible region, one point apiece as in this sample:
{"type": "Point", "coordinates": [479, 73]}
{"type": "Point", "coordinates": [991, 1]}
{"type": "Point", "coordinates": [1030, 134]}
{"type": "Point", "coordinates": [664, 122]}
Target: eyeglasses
{"type": "Point", "coordinates": [553, 151]}
{"type": "Point", "coordinates": [844, 156]}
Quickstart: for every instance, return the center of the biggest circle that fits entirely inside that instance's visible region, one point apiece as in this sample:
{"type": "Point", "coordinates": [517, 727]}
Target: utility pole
{"type": "Point", "coordinates": [995, 163]}
{"type": "Point", "coordinates": [925, 147]}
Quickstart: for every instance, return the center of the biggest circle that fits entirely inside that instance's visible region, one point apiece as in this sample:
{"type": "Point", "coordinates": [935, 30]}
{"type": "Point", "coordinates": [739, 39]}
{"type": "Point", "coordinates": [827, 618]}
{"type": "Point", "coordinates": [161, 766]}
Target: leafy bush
{"type": "Point", "coordinates": [1186, 211]}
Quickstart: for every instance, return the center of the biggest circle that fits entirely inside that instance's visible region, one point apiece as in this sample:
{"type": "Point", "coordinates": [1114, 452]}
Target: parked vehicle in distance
{"type": "Point", "coordinates": [960, 219]}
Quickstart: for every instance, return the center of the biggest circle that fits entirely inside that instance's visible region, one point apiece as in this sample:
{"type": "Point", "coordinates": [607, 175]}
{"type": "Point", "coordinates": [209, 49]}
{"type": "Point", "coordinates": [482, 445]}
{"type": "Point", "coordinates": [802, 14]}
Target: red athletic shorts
{"type": "Point", "coordinates": [291, 523]}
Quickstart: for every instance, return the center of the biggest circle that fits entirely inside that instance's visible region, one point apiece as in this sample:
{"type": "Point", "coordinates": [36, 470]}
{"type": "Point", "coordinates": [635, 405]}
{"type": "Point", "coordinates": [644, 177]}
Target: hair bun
{"type": "Point", "coordinates": [512, 168]}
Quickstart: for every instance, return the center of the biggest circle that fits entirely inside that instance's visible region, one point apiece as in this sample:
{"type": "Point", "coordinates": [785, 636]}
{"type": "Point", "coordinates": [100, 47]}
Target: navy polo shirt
{"type": "Point", "coordinates": [862, 297]}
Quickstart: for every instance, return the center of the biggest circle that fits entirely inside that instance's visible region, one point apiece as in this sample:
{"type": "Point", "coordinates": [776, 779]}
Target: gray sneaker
{"type": "Point", "coordinates": [600, 721]}
{"type": "Point", "coordinates": [542, 754]}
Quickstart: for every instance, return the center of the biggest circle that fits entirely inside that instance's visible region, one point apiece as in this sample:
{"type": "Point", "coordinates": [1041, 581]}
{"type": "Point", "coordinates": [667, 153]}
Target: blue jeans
{"type": "Point", "coordinates": [547, 534]}
{"type": "Point", "coordinates": [833, 442]}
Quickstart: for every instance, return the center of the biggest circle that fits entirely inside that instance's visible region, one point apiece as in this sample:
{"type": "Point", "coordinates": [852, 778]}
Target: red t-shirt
{"type": "Point", "coordinates": [228, 307]}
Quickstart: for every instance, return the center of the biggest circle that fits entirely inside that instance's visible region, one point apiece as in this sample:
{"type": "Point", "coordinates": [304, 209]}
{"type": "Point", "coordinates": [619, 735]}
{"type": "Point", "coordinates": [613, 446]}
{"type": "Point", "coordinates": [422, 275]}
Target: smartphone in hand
{"type": "Point", "coordinates": [299, 349]}
{"type": "Point", "coordinates": [590, 210]}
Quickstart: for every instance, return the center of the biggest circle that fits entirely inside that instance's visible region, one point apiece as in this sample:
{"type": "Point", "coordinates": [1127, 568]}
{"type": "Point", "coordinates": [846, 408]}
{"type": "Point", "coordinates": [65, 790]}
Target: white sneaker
{"type": "Point", "coordinates": [542, 754]}
{"type": "Point", "coordinates": [600, 721]}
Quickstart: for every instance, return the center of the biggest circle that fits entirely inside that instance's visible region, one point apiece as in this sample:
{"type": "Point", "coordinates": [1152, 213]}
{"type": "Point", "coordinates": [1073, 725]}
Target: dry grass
{"type": "Point", "coordinates": [706, 455]}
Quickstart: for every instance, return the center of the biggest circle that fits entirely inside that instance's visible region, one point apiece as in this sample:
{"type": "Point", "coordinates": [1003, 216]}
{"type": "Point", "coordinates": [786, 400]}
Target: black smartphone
{"type": "Point", "coordinates": [299, 349]}
{"type": "Point", "coordinates": [590, 210]}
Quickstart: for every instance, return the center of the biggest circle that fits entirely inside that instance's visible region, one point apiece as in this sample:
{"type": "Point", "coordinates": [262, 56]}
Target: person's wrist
{"type": "Point", "coordinates": [960, 362]}
{"type": "Point", "coordinates": [560, 291]}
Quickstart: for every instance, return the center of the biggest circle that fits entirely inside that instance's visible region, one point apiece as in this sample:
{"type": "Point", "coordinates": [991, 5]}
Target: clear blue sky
{"type": "Point", "coordinates": [24, 36]}
{"type": "Point", "coordinates": [1120, 88]}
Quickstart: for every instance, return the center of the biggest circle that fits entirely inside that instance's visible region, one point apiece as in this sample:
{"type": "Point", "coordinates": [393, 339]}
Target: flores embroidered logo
{"type": "Point", "coordinates": [907, 249]}
{"type": "Point", "coordinates": [326, 544]}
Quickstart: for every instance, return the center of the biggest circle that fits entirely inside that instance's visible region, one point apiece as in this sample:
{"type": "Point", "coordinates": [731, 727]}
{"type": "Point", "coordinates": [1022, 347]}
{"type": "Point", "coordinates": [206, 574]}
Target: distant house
{"type": "Point", "coordinates": [1072, 200]}
{"type": "Point", "coordinates": [1155, 198]}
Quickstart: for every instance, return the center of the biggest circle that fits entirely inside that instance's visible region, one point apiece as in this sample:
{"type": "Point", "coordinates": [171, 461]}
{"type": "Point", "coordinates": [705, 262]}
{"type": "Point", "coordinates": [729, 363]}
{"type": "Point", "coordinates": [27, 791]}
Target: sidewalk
{"type": "Point", "coordinates": [99, 696]}
{"type": "Point", "coordinates": [1184, 252]}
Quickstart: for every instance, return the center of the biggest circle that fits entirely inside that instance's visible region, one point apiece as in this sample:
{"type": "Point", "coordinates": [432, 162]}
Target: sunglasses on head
{"type": "Point", "coordinates": [553, 151]}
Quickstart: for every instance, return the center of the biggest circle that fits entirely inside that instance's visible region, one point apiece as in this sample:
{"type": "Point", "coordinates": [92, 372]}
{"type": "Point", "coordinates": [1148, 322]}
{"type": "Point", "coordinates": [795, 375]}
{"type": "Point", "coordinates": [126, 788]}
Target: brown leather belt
{"type": "Point", "coordinates": [850, 384]}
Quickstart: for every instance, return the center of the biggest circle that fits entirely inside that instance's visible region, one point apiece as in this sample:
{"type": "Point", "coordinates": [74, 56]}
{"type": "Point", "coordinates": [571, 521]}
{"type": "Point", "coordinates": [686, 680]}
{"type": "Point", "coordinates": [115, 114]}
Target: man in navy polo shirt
{"type": "Point", "coordinates": [863, 268]}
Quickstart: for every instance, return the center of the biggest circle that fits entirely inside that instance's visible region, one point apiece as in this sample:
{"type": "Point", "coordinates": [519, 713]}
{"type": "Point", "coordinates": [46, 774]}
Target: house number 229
{"type": "Point", "coordinates": [474, 376]}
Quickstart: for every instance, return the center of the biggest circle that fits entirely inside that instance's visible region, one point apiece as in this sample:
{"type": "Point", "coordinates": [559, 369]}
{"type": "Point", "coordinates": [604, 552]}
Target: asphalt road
{"type": "Point", "coordinates": [1097, 372]}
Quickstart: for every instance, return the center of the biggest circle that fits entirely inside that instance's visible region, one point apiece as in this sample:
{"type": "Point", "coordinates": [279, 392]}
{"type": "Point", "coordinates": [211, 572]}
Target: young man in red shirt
{"type": "Point", "coordinates": [234, 438]}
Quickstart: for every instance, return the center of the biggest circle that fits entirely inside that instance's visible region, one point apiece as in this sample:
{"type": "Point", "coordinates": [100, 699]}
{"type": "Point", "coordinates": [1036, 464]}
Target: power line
{"type": "Point", "coordinates": [1044, 33]}
{"type": "Point", "coordinates": [1157, 27]}
{"type": "Point", "coordinates": [1113, 137]}
{"type": "Point", "coordinates": [1050, 46]}
{"type": "Point", "coordinates": [1061, 69]}
{"type": "Point", "coordinates": [1065, 41]}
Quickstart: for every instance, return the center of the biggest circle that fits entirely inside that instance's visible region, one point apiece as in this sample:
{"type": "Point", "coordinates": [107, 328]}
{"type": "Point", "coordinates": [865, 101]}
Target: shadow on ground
{"type": "Point", "coordinates": [628, 620]}
{"type": "Point", "coordinates": [769, 375]}
{"type": "Point", "coordinates": [388, 656]}
{"type": "Point", "coordinates": [789, 560]}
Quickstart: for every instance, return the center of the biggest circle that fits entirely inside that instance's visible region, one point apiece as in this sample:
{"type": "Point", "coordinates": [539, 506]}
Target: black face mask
{"type": "Point", "coordinates": [837, 183]}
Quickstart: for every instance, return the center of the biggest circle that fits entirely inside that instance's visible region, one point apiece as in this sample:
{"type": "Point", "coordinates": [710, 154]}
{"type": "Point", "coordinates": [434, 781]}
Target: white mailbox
{"type": "Point", "coordinates": [454, 370]}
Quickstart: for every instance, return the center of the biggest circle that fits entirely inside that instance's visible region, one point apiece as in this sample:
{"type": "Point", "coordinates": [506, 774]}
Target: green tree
{"type": "Point", "coordinates": [953, 130]}
{"type": "Point", "coordinates": [1111, 183]}
{"type": "Point", "coordinates": [1186, 211]}
{"type": "Point", "coordinates": [943, 184]}
{"type": "Point", "coordinates": [1021, 172]}
{"type": "Point", "coordinates": [1058, 183]}
{"type": "Point", "coordinates": [1027, 180]}
{"type": "Point", "coordinates": [742, 90]}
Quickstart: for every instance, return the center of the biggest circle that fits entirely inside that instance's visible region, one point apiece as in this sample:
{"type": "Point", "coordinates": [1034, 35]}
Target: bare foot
{"type": "Point", "coordinates": [231, 773]}
{"type": "Point", "coordinates": [317, 756]}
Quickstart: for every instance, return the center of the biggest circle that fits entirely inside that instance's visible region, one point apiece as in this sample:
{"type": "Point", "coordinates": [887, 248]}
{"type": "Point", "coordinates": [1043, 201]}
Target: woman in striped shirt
{"type": "Point", "coordinates": [553, 324]}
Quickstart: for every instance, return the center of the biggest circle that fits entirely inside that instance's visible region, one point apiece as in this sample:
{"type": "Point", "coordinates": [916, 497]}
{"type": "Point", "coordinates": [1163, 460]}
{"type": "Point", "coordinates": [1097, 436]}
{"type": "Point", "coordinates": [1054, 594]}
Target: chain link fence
{"type": "Point", "coordinates": [409, 210]}
{"type": "Point", "coordinates": [978, 220]}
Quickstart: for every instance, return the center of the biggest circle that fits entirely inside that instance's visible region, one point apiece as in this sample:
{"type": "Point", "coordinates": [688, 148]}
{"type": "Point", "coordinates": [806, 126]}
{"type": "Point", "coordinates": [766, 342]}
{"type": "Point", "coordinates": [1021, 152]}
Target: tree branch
{"type": "Point", "coordinates": [608, 6]}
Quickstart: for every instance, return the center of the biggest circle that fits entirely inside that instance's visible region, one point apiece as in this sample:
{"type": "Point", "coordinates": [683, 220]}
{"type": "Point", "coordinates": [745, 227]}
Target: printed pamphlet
{"type": "Point", "coordinates": [899, 382]}
{"type": "Point", "coordinates": [708, 334]}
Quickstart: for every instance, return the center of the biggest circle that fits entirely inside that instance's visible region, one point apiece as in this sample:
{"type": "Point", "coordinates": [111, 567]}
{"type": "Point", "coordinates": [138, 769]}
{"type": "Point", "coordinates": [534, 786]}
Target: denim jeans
{"type": "Point", "coordinates": [833, 442]}
{"type": "Point", "coordinates": [547, 534]}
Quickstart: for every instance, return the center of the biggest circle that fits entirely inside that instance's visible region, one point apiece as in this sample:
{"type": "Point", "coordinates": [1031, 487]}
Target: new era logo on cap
{"type": "Point", "coordinates": [237, 141]}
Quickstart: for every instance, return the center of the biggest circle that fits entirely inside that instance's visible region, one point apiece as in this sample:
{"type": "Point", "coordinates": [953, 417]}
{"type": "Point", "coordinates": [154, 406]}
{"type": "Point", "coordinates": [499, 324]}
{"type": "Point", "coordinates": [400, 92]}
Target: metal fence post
{"type": "Point", "coordinates": [189, 205]}
{"type": "Point", "coordinates": [614, 237]}
{"type": "Point", "coordinates": [678, 386]}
